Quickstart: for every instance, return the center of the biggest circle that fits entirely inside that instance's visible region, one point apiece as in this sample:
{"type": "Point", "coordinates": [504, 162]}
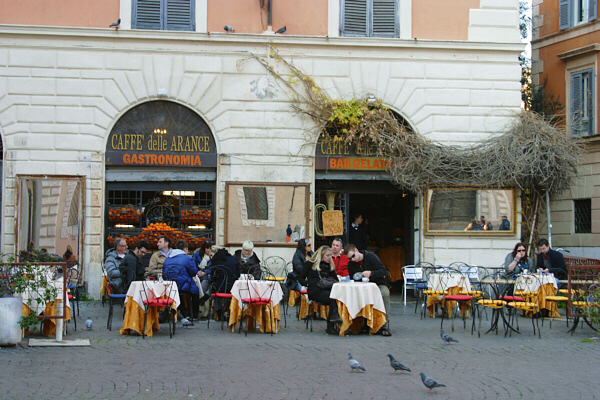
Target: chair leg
{"type": "Point", "coordinates": [110, 312]}
{"type": "Point", "coordinates": [144, 327]}
{"type": "Point", "coordinates": [210, 308]}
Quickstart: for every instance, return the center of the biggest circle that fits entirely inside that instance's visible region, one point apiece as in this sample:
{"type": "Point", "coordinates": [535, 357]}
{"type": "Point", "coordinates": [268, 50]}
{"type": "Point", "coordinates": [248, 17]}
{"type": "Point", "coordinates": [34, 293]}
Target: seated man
{"type": "Point", "coordinates": [156, 261]}
{"type": "Point", "coordinates": [112, 266]}
{"type": "Point", "coordinates": [370, 266]}
{"type": "Point", "coordinates": [248, 260]}
{"type": "Point", "coordinates": [132, 262]}
{"type": "Point", "coordinates": [339, 259]}
{"type": "Point", "coordinates": [550, 261]}
{"type": "Point", "coordinates": [181, 268]}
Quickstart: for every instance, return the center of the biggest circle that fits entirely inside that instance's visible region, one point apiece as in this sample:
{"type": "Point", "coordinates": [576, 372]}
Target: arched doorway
{"type": "Point", "coordinates": [355, 182]}
{"type": "Point", "coordinates": [160, 176]}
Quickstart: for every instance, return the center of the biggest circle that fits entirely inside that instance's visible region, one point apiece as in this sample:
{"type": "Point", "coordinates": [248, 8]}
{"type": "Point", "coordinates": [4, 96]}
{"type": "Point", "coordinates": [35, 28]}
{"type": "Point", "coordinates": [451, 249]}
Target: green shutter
{"type": "Point", "coordinates": [147, 14]}
{"type": "Point", "coordinates": [592, 10]}
{"type": "Point", "coordinates": [180, 15]}
{"type": "Point", "coordinates": [384, 18]}
{"type": "Point", "coordinates": [354, 18]}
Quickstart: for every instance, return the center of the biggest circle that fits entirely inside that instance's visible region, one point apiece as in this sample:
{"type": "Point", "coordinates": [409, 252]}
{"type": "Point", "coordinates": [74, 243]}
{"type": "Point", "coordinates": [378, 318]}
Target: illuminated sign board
{"type": "Point", "coordinates": [335, 154]}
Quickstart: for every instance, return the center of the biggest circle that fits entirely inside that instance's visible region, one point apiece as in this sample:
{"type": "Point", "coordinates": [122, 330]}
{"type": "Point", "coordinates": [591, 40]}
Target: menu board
{"type": "Point", "coordinates": [333, 223]}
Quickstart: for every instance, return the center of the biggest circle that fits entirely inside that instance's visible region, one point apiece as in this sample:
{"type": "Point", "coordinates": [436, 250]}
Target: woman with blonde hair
{"type": "Point", "coordinates": [320, 266]}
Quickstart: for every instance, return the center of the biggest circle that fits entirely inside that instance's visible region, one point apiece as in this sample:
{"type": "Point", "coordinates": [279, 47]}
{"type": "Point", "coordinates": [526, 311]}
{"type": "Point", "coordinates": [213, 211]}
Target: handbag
{"type": "Point", "coordinates": [326, 283]}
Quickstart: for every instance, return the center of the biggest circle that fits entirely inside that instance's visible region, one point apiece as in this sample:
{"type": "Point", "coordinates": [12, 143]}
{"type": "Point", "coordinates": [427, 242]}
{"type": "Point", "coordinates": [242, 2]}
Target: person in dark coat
{"type": "Point", "coordinates": [320, 266]}
{"type": "Point", "coordinates": [302, 254]}
{"type": "Point", "coordinates": [370, 266]}
{"type": "Point", "coordinates": [357, 234]}
{"type": "Point", "coordinates": [248, 260]}
{"type": "Point", "coordinates": [133, 266]}
{"type": "Point", "coordinates": [550, 261]}
{"type": "Point", "coordinates": [222, 282]}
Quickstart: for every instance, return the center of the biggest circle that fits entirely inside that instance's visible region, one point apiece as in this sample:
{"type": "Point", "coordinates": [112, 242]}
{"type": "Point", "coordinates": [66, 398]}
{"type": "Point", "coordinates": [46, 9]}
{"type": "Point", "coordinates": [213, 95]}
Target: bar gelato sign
{"type": "Point", "coordinates": [161, 133]}
{"type": "Point", "coordinates": [335, 154]}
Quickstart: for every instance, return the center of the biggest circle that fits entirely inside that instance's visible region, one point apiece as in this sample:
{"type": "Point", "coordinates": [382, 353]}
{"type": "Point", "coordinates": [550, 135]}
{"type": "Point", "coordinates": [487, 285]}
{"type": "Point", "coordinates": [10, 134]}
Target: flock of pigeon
{"type": "Point", "coordinates": [429, 383]}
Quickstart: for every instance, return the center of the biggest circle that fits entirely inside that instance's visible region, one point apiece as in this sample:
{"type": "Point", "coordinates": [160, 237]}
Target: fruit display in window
{"type": "Point", "coordinates": [123, 214]}
{"type": "Point", "coordinates": [195, 215]}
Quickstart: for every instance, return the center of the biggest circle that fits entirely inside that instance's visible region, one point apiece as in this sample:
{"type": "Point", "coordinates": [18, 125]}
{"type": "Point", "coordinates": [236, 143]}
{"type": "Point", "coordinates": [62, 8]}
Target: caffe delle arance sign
{"type": "Point", "coordinates": [158, 134]}
{"type": "Point", "coordinates": [336, 154]}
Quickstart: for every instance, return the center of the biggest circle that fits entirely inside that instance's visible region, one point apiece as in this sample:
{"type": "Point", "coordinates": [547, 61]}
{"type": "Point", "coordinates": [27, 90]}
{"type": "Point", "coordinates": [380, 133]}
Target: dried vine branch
{"type": "Point", "coordinates": [531, 154]}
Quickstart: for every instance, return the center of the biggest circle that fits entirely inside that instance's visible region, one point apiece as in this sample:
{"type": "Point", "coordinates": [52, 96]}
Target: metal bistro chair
{"type": "Point", "coordinates": [157, 303]}
{"type": "Point", "coordinates": [219, 286]}
{"type": "Point", "coordinates": [491, 299]}
{"type": "Point", "coordinates": [274, 269]}
{"type": "Point", "coordinates": [252, 298]}
{"type": "Point", "coordinates": [453, 303]}
{"type": "Point", "coordinates": [528, 287]}
{"type": "Point", "coordinates": [413, 277]}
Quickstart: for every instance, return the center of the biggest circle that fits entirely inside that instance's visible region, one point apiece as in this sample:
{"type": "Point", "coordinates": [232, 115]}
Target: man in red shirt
{"type": "Point", "coordinates": [339, 259]}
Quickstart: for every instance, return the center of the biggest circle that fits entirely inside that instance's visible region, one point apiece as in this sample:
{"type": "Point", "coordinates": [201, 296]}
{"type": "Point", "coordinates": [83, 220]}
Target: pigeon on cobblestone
{"type": "Point", "coordinates": [88, 323]}
{"type": "Point", "coordinates": [186, 322]}
{"type": "Point", "coordinates": [446, 338]}
{"type": "Point", "coordinates": [397, 365]}
{"type": "Point", "coordinates": [430, 383]}
{"type": "Point", "coordinates": [355, 365]}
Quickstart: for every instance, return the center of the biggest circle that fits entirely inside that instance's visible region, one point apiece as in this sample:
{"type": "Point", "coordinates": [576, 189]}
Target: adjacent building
{"type": "Point", "coordinates": [565, 55]}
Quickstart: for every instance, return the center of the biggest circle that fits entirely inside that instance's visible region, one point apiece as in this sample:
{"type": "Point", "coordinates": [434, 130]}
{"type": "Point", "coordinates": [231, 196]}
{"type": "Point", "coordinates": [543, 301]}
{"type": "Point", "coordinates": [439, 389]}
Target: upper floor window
{"type": "Point", "coordinates": [582, 103]}
{"type": "Point", "coordinates": [166, 15]}
{"type": "Point", "coordinates": [575, 12]}
{"type": "Point", "coordinates": [367, 18]}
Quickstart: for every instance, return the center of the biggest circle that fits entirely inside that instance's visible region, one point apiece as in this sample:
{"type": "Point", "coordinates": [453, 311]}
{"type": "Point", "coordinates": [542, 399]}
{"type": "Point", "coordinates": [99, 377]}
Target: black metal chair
{"type": "Point", "coordinates": [164, 301]}
{"type": "Point", "coordinates": [220, 282]}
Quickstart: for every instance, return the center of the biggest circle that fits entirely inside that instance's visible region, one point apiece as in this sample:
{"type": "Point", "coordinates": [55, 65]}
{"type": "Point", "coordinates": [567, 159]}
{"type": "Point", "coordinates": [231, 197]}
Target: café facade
{"type": "Point", "coordinates": [136, 134]}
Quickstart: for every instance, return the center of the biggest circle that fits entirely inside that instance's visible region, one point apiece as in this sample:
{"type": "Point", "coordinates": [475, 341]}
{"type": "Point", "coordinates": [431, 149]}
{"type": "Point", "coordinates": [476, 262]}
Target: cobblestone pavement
{"type": "Point", "coordinates": [299, 364]}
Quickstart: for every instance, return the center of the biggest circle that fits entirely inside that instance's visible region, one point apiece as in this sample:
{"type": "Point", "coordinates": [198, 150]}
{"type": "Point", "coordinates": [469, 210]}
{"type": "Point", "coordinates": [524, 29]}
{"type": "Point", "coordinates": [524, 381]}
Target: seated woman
{"type": "Point", "coordinates": [517, 261]}
{"type": "Point", "coordinates": [248, 260]}
{"type": "Point", "coordinates": [320, 266]}
{"type": "Point", "coordinates": [302, 254]}
{"type": "Point", "coordinates": [181, 268]}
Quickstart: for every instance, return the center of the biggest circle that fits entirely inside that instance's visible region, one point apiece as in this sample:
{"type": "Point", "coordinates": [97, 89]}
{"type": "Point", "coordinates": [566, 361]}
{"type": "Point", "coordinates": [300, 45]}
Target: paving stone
{"type": "Point", "coordinates": [201, 363]}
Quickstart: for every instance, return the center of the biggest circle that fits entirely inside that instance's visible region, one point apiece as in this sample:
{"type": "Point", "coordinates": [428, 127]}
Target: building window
{"type": "Point", "coordinates": [576, 12]}
{"type": "Point", "coordinates": [582, 103]}
{"type": "Point", "coordinates": [365, 18]}
{"type": "Point", "coordinates": [165, 15]}
{"type": "Point", "coordinates": [257, 204]}
{"type": "Point", "coordinates": [583, 215]}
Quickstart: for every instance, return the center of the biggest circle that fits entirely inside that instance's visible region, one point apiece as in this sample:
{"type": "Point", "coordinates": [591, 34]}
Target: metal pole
{"type": "Point", "coordinates": [270, 19]}
{"type": "Point", "coordinates": [549, 222]}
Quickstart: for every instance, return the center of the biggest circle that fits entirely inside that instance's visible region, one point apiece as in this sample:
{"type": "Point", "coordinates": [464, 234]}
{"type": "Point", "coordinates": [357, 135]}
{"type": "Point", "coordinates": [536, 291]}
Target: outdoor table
{"type": "Point", "coordinates": [453, 283]}
{"type": "Point", "coordinates": [545, 283]}
{"type": "Point", "coordinates": [134, 305]}
{"type": "Point", "coordinates": [359, 299]}
{"type": "Point", "coordinates": [48, 309]}
{"type": "Point", "coordinates": [271, 317]}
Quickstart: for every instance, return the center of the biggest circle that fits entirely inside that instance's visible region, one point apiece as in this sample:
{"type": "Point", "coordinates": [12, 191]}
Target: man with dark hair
{"type": "Point", "coordinates": [339, 259]}
{"type": "Point", "coordinates": [370, 266]}
{"type": "Point", "coordinates": [158, 258]}
{"type": "Point", "coordinates": [357, 234]}
{"type": "Point", "coordinates": [550, 260]}
{"type": "Point", "coordinates": [132, 265]}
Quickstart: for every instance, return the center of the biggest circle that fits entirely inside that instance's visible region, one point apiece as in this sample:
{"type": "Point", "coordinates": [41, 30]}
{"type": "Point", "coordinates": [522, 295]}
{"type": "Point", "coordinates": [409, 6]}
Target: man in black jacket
{"type": "Point", "coordinates": [134, 267]}
{"type": "Point", "coordinates": [370, 266]}
{"type": "Point", "coordinates": [550, 260]}
{"type": "Point", "coordinates": [357, 234]}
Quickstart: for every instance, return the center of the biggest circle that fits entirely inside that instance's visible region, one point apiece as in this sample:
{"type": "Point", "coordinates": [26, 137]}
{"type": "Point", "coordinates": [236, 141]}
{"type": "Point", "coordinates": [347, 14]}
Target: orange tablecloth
{"type": "Point", "coordinates": [358, 301]}
{"type": "Point", "coordinates": [375, 319]}
{"type": "Point", "coordinates": [433, 301]}
{"type": "Point", "coordinates": [134, 308]}
{"type": "Point", "coordinates": [265, 316]}
{"type": "Point", "coordinates": [48, 325]}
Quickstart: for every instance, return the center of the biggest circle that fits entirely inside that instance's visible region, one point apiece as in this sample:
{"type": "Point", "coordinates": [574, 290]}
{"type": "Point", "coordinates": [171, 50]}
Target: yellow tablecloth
{"type": "Point", "coordinates": [48, 325]}
{"type": "Point", "coordinates": [265, 316]}
{"type": "Point", "coordinates": [134, 306]}
{"type": "Point", "coordinates": [375, 319]}
{"type": "Point", "coordinates": [454, 284]}
{"type": "Point", "coordinates": [358, 301]}
{"type": "Point", "coordinates": [546, 284]}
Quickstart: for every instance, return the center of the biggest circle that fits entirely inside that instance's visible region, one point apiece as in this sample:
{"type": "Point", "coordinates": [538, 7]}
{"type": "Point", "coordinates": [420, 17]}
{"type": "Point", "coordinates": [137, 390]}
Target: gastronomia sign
{"type": "Point", "coordinates": [161, 133]}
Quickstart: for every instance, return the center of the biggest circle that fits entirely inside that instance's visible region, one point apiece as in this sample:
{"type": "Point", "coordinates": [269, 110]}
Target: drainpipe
{"type": "Point", "coordinates": [549, 223]}
{"type": "Point", "coordinates": [270, 19]}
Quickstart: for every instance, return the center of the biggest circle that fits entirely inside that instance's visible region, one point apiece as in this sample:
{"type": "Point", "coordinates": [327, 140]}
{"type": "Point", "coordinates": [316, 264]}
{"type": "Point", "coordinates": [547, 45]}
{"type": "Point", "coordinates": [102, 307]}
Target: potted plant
{"type": "Point", "coordinates": [17, 279]}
